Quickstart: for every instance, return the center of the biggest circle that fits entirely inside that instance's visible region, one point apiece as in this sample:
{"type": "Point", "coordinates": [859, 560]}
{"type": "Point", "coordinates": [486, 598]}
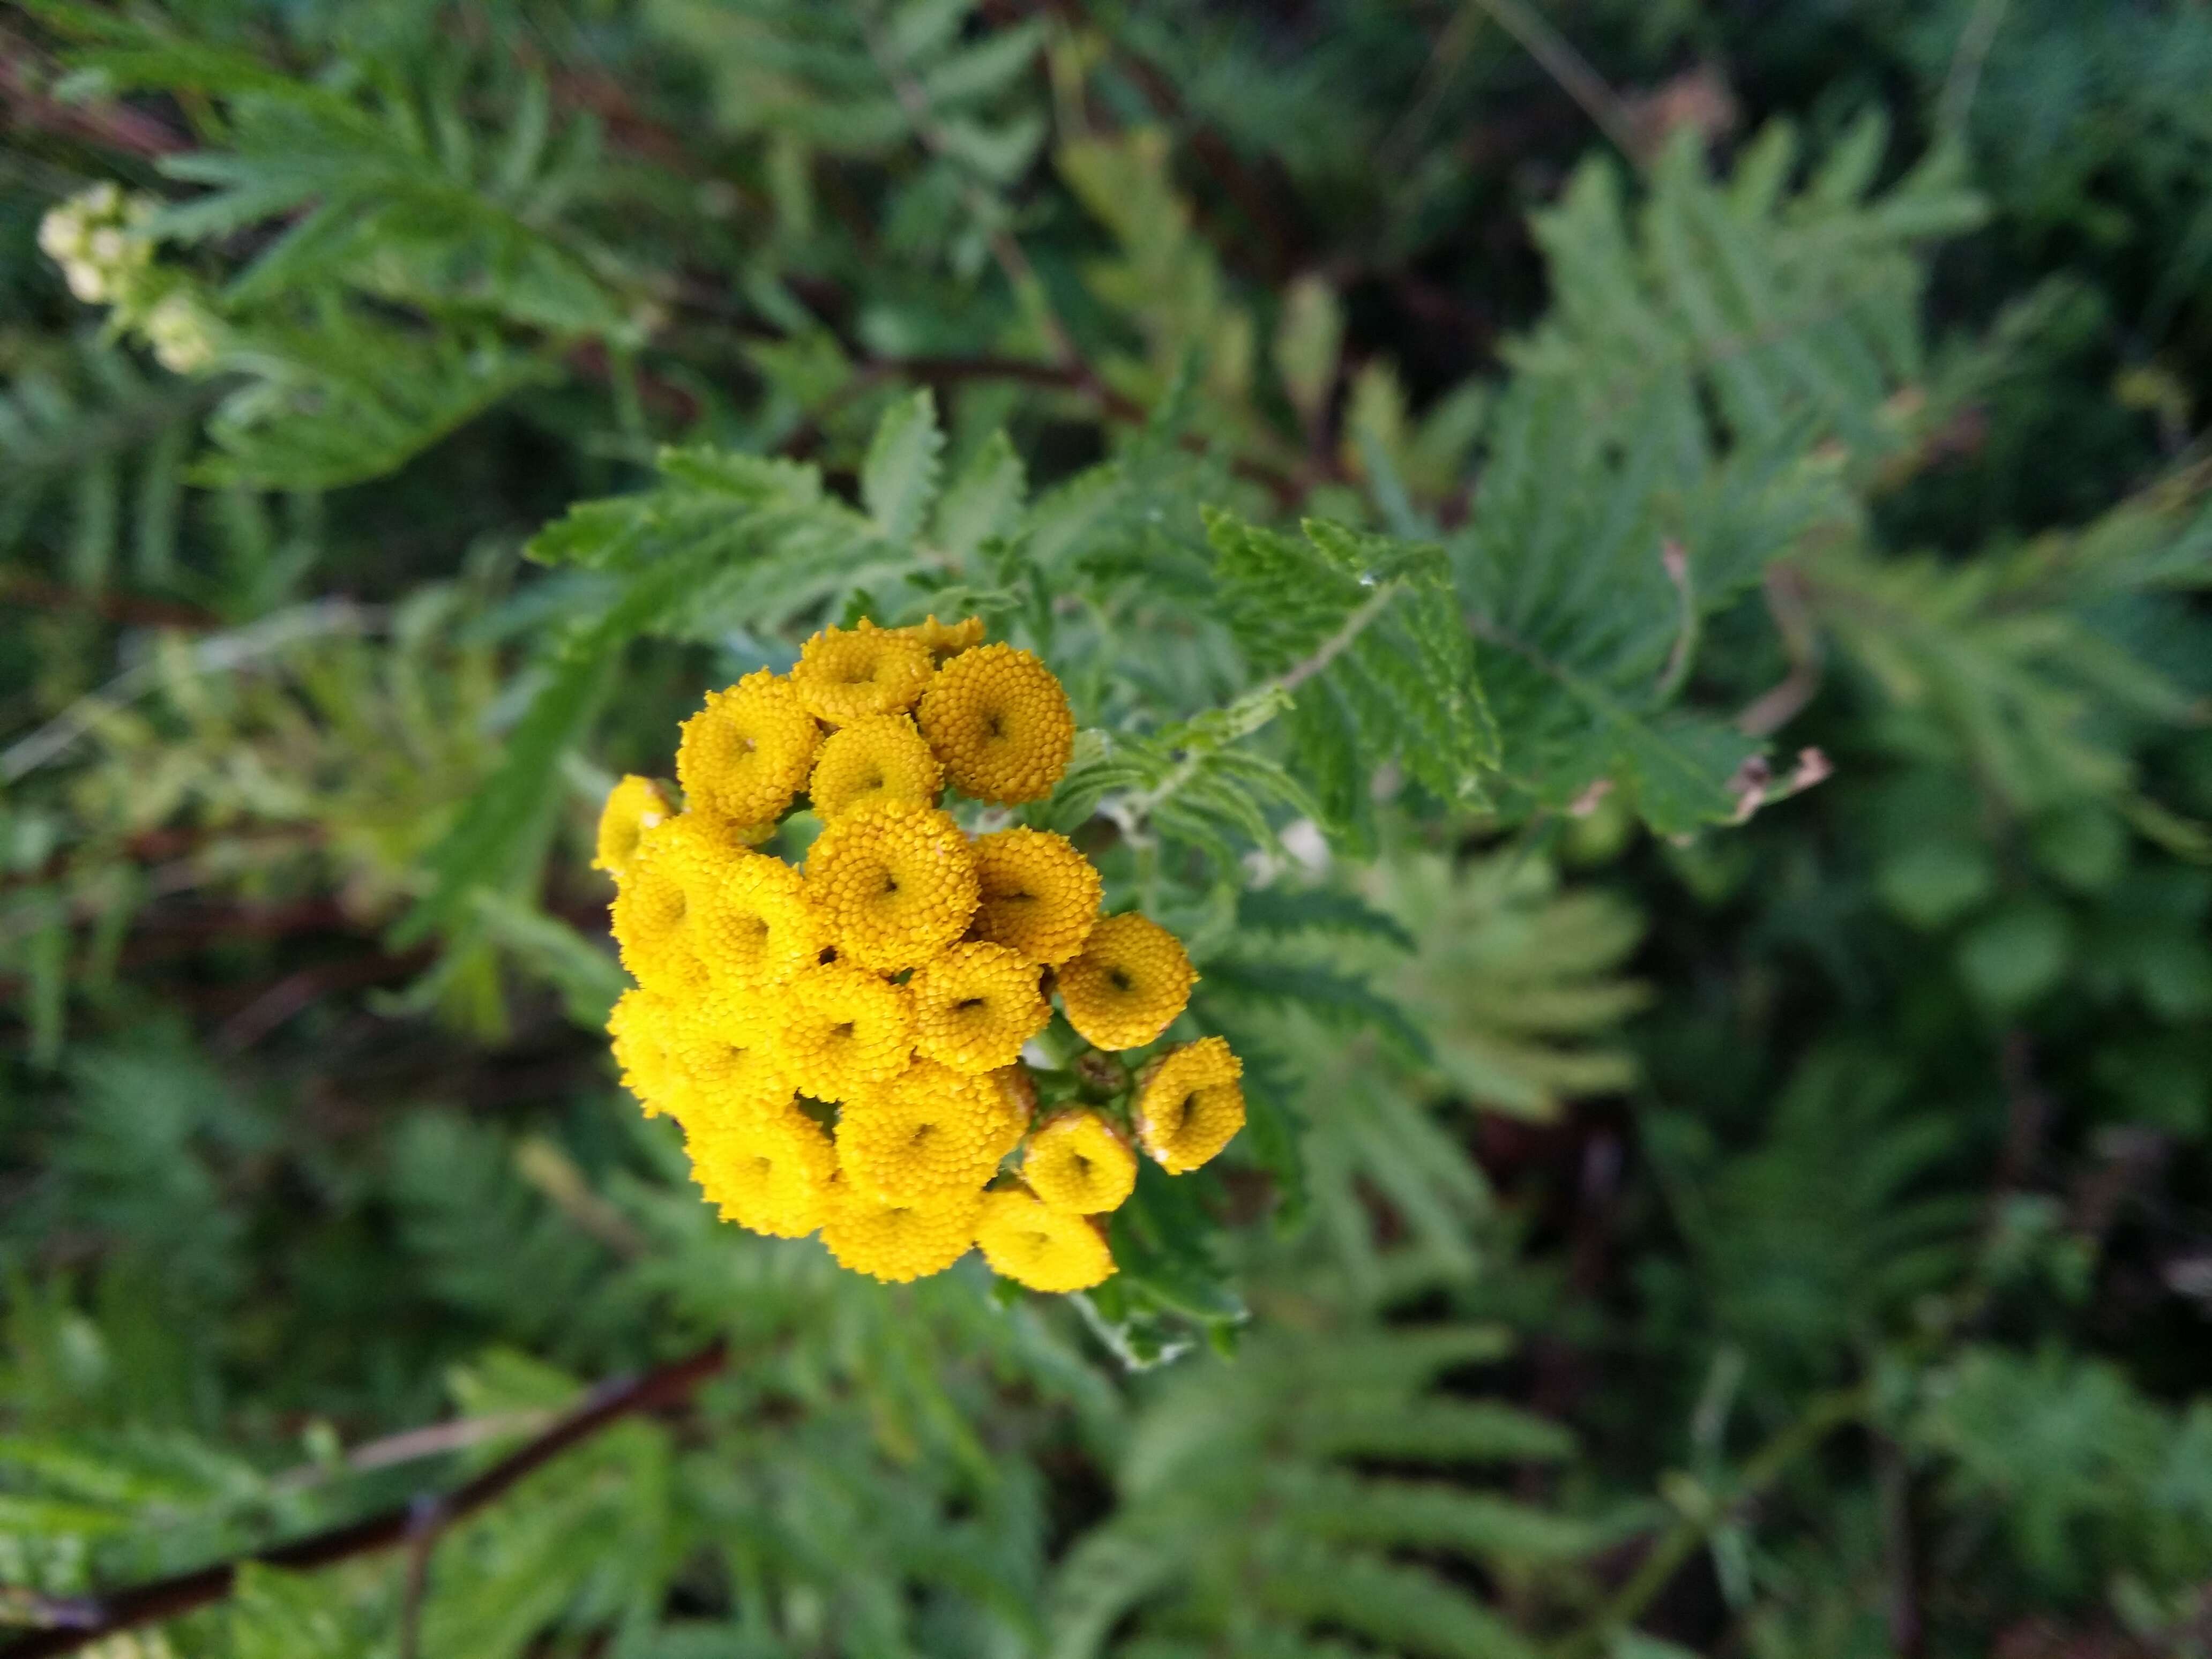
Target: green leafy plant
{"type": "Point", "coordinates": [1633, 587]}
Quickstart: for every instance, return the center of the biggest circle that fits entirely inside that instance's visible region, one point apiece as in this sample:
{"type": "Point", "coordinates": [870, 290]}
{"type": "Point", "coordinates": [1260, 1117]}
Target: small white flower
{"type": "Point", "coordinates": [88, 282]}
{"type": "Point", "coordinates": [61, 233]}
{"type": "Point", "coordinates": [179, 336]}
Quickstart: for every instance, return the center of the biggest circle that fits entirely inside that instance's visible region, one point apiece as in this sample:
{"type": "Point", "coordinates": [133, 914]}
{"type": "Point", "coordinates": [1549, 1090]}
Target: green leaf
{"type": "Point", "coordinates": [732, 541]}
{"type": "Point", "coordinates": [1163, 1252]}
{"type": "Point", "coordinates": [1191, 782]}
{"type": "Point", "coordinates": [1677, 769]}
{"type": "Point", "coordinates": [1369, 627]}
{"type": "Point", "coordinates": [1934, 883]}
{"type": "Point", "coordinates": [274, 1615]}
{"type": "Point", "coordinates": [370, 211]}
{"type": "Point", "coordinates": [1436, 1515]}
{"type": "Point", "coordinates": [2016, 956]}
{"type": "Point", "coordinates": [2057, 1444]}
{"type": "Point", "coordinates": [353, 401]}
{"type": "Point", "coordinates": [493, 843]}
{"type": "Point", "coordinates": [1274, 1132]}
{"type": "Point", "coordinates": [1517, 983]}
{"type": "Point", "coordinates": [1436, 1430]}
{"type": "Point", "coordinates": [899, 479]}
{"type": "Point", "coordinates": [1283, 910]}
{"type": "Point", "coordinates": [587, 976]}
{"type": "Point", "coordinates": [1407, 1609]}
{"type": "Point", "coordinates": [1329, 993]}
{"type": "Point", "coordinates": [987, 67]}
{"type": "Point", "coordinates": [984, 502]}
{"type": "Point", "coordinates": [1715, 374]}
{"type": "Point", "coordinates": [1834, 1224]}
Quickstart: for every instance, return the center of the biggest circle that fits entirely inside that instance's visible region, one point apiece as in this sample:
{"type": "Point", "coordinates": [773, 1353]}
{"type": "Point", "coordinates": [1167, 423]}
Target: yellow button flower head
{"type": "Point", "coordinates": [947, 639]}
{"type": "Point", "coordinates": [702, 840]}
{"type": "Point", "coordinates": [1000, 723]}
{"type": "Point", "coordinates": [1040, 896]}
{"type": "Point", "coordinates": [633, 806]}
{"type": "Point", "coordinates": [895, 883]}
{"type": "Point", "coordinates": [896, 1243]}
{"type": "Point", "coordinates": [752, 924]}
{"type": "Point", "coordinates": [734, 1067]}
{"type": "Point", "coordinates": [726, 836]}
{"type": "Point", "coordinates": [929, 1135]}
{"type": "Point", "coordinates": [844, 674]}
{"type": "Point", "coordinates": [843, 1031]}
{"type": "Point", "coordinates": [651, 912]}
{"type": "Point", "coordinates": [745, 754]}
{"type": "Point", "coordinates": [1190, 1105]}
{"type": "Point", "coordinates": [1077, 1163]}
{"type": "Point", "coordinates": [1128, 983]}
{"type": "Point", "coordinates": [1028, 1242]}
{"type": "Point", "coordinates": [975, 1006]}
{"type": "Point", "coordinates": [644, 1026]}
{"type": "Point", "coordinates": [879, 758]}
{"type": "Point", "coordinates": [773, 1176]}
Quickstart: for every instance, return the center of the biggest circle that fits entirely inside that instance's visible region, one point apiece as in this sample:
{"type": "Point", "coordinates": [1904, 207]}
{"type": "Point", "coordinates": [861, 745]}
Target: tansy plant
{"type": "Point", "coordinates": [845, 1004]}
{"type": "Point", "coordinates": [1201, 354]}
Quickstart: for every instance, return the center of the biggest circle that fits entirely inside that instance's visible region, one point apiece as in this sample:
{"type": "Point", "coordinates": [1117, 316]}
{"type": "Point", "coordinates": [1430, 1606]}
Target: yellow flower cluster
{"type": "Point", "coordinates": [842, 1040]}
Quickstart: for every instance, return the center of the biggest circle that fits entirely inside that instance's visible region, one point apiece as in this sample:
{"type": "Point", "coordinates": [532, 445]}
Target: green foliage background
{"type": "Point", "coordinates": [1633, 576]}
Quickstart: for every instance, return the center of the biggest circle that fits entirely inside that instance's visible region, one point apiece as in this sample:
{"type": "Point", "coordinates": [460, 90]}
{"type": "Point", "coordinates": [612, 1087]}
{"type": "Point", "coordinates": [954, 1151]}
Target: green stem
{"type": "Point", "coordinates": [1060, 1044]}
{"type": "Point", "coordinates": [1688, 1534]}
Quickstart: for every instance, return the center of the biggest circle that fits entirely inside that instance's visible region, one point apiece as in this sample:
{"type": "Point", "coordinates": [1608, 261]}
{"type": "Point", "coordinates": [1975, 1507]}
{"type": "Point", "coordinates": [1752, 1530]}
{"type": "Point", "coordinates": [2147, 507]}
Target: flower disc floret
{"type": "Point", "coordinates": [1038, 895]}
{"type": "Point", "coordinates": [703, 841]}
{"type": "Point", "coordinates": [931, 1134]}
{"type": "Point", "coordinates": [896, 1243]}
{"type": "Point", "coordinates": [999, 721]}
{"type": "Point", "coordinates": [1027, 1241]}
{"type": "Point", "coordinates": [877, 759]}
{"type": "Point", "coordinates": [975, 1006]}
{"type": "Point", "coordinates": [646, 1030]}
{"type": "Point", "coordinates": [752, 923]}
{"type": "Point", "coordinates": [633, 806]}
{"type": "Point", "coordinates": [1077, 1163]}
{"type": "Point", "coordinates": [745, 754]}
{"type": "Point", "coordinates": [732, 1068]}
{"type": "Point", "coordinates": [1191, 1104]}
{"type": "Point", "coordinates": [651, 914]}
{"type": "Point", "coordinates": [774, 1176]}
{"type": "Point", "coordinates": [1128, 983]}
{"type": "Point", "coordinates": [844, 675]}
{"type": "Point", "coordinates": [843, 1031]}
{"type": "Point", "coordinates": [895, 882]}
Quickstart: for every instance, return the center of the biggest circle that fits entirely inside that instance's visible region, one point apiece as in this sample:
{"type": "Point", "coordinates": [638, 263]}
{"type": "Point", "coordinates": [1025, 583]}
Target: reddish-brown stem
{"type": "Point", "coordinates": [79, 1621]}
{"type": "Point", "coordinates": [109, 124]}
{"type": "Point", "coordinates": [127, 610]}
